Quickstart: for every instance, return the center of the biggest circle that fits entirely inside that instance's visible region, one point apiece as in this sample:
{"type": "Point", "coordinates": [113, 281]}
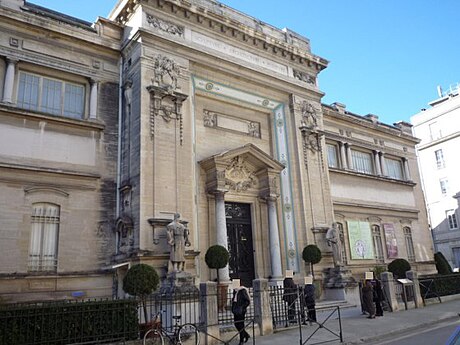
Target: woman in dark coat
{"type": "Point", "coordinates": [290, 296]}
{"type": "Point", "coordinates": [368, 299]}
{"type": "Point", "coordinates": [309, 293]}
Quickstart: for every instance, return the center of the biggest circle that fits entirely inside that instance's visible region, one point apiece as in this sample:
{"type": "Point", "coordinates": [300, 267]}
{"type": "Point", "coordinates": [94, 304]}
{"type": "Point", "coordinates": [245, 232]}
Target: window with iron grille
{"type": "Point", "coordinates": [452, 219]}
{"type": "Point", "coordinates": [409, 244]}
{"type": "Point", "coordinates": [440, 163]}
{"type": "Point", "coordinates": [52, 96]}
{"type": "Point", "coordinates": [332, 157]}
{"type": "Point", "coordinates": [44, 237]}
{"type": "Point", "coordinates": [378, 246]}
{"type": "Point", "coordinates": [362, 162]}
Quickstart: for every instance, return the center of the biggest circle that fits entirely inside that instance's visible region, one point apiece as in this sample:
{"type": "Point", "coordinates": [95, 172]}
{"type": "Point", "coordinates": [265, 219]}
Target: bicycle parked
{"type": "Point", "coordinates": [186, 334]}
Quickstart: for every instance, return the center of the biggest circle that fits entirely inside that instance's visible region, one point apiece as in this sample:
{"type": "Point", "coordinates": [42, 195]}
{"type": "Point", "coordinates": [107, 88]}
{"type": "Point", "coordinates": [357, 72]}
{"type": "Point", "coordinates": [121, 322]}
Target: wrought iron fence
{"type": "Point", "coordinates": [282, 311]}
{"type": "Point", "coordinates": [183, 304]}
{"type": "Point", "coordinates": [65, 322]}
{"type": "Point", "coordinates": [439, 285]}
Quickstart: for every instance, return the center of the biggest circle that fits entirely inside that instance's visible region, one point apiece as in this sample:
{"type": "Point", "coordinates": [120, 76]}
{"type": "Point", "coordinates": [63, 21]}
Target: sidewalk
{"type": "Point", "coordinates": [357, 329]}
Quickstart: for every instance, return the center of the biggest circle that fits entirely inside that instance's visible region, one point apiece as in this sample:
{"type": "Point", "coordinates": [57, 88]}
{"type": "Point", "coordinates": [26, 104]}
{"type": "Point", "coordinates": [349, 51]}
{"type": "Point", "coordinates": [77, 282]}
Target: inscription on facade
{"type": "Point", "coordinates": [241, 54]}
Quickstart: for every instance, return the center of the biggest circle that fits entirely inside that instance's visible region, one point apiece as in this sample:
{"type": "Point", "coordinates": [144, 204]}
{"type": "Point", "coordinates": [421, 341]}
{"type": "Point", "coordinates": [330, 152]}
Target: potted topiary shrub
{"type": "Point", "coordinates": [140, 281]}
{"type": "Point", "coordinates": [217, 257]}
{"type": "Point", "coordinates": [399, 267]}
{"type": "Point", "coordinates": [311, 254]}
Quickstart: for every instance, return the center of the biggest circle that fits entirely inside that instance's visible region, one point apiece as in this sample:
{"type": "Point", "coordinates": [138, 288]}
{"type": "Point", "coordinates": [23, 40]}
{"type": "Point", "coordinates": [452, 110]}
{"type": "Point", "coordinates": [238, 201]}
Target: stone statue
{"type": "Point", "coordinates": [333, 240]}
{"type": "Point", "coordinates": [177, 235]}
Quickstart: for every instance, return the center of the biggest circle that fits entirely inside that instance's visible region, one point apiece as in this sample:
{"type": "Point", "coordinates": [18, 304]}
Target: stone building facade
{"type": "Point", "coordinates": [209, 113]}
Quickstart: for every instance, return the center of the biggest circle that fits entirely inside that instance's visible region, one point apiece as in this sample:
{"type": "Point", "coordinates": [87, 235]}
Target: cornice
{"type": "Point", "coordinates": [230, 28]}
{"type": "Point", "coordinates": [359, 120]}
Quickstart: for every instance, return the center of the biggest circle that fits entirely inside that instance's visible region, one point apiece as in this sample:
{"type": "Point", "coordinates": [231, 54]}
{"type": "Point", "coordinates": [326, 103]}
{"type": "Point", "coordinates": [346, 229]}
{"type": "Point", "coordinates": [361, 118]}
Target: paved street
{"type": "Point", "coordinates": [357, 329]}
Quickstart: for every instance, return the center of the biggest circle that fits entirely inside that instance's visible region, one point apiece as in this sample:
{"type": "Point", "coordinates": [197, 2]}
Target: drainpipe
{"type": "Point", "coordinates": [120, 102]}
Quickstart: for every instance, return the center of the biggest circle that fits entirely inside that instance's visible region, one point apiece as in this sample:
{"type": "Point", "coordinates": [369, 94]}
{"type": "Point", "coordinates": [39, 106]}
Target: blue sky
{"type": "Point", "coordinates": [386, 56]}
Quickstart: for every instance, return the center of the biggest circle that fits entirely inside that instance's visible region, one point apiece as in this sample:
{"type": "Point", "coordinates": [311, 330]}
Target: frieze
{"type": "Point", "coordinates": [165, 26]}
{"type": "Point", "coordinates": [216, 120]}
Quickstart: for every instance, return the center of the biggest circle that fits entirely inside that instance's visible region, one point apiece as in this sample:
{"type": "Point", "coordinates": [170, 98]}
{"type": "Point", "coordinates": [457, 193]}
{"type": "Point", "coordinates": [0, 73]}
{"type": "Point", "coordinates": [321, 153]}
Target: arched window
{"type": "Point", "coordinates": [43, 247]}
{"type": "Point", "coordinates": [342, 240]}
{"type": "Point", "coordinates": [378, 247]}
{"type": "Point", "coordinates": [409, 244]}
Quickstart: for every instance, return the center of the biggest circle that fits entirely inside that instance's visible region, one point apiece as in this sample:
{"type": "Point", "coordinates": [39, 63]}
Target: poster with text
{"type": "Point", "coordinates": [390, 239]}
{"type": "Point", "coordinates": [360, 238]}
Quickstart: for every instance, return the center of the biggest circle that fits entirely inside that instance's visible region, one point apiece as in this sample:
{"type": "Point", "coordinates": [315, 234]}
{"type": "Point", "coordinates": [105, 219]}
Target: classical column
{"type": "Point", "coordinates": [343, 156]}
{"type": "Point", "coordinates": [274, 238]}
{"type": "Point", "coordinates": [382, 164]}
{"type": "Point", "coordinates": [349, 158]}
{"type": "Point", "coordinates": [221, 227]}
{"type": "Point", "coordinates": [377, 162]}
{"type": "Point", "coordinates": [9, 80]}
{"type": "Point", "coordinates": [406, 169]}
{"type": "Point", "coordinates": [93, 99]}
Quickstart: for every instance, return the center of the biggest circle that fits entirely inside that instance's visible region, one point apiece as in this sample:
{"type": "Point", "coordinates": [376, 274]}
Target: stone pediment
{"type": "Point", "coordinates": [242, 169]}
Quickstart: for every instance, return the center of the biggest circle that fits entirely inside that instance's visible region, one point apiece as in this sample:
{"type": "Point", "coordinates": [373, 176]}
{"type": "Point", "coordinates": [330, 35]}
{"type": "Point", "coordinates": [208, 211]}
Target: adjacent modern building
{"type": "Point", "coordinates": [438, 127]}
{"type": "Point", "coordinates": [108, 129]}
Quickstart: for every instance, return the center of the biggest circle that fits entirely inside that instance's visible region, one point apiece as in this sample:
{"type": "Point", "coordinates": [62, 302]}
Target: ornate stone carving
{"type": "Point", "coordinates": [309, 115]}
{"type": "Point", "coordinates": [305, 77]}
{"type": "Point", "coordinates": [165, 26]}
{"type": "Point", "coordinates": [166, 101]}
{"type": "Point", "coordinates": [209, 119]}
{"type": "Point", "coordinates": [103, 239]}
{"type": "Point", "coordinates": [238, 176]}
{"type": "Point", "coordinates": [254, 129]}
{"type": "Point", "coordinates": [165, 67]}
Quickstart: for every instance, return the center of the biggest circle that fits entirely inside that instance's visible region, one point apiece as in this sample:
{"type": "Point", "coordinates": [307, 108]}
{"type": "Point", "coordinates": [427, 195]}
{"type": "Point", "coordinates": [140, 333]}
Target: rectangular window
{"type": "Point", "coordinates": [444, 183]}
{"type": "Point", "coordinates": [362, 162]}
{"type": "Point", "coordinates": [332, 158]}
{"type": "Point", "coordinates": [51, 96]}
{"type": "Point", "coordinates": [394, 168]}
{"type": "Point", "coordinates": [452, 219]}
{"type": "Point", "coordinates": [440, 163]}
{"type": "Point", "coordinates": [409, 244]}
{"type": "Point", "coordinates": [378, 247]}
{"type": "Point", "coordinates": [44, 237]}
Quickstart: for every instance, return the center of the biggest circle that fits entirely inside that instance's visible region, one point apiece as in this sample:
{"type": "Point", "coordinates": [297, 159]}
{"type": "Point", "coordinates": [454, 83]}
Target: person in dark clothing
{"type": "Point", "coordinates": [368, 299]}
{"type": "Point", "coordinates": [378, 298]}
{"type": "Point", "coordinates": [309, 297]}
{"type": "Point", "coordinates": [240, 304]}
{"type": "Point", "coordinates": [290, 295]}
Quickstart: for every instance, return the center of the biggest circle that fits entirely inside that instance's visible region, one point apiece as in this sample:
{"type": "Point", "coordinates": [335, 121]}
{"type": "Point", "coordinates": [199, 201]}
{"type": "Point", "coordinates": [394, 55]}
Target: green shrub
{"type": "Point", "coordinates": [140, 281]}
{"type": "Point", "coordinates": [311, 254]}
{"type": "Point", "coordinates": [216, 258]}
{"type": "Point", "coordinates": [399, 267]}
{"type": "Point", "coordinates": [442, 265]}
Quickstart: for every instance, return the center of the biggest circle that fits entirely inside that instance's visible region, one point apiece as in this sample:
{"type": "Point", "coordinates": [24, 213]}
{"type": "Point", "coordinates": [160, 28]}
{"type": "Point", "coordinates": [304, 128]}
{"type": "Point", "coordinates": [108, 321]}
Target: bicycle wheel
{"type": "Point", "coordinates": [188, 335]}
{"type": "Point", "coordinates": [153, 337]}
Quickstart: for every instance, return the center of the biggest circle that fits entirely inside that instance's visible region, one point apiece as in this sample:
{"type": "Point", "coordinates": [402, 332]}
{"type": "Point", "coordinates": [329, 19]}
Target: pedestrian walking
{"type": "Point", "coordinates": [378, 298]}
{"type": "Point", "coordinates": [290, 295]}
{"type": "Point", "coordinates": [368, 298]}
{"type": "Point", "coordinates": [240, 304]}
{"type": "Point", "coordinates": [309, 297]}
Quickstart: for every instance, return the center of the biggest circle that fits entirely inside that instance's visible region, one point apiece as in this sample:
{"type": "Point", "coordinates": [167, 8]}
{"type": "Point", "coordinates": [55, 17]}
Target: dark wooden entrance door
{"type": "Point", "coordinates": [239, 235]}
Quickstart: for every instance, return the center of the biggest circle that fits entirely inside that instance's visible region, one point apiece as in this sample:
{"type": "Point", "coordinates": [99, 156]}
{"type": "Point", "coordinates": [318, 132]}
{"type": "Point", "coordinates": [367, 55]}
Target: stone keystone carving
{"type": "Point", "coordinates": [238, 176]}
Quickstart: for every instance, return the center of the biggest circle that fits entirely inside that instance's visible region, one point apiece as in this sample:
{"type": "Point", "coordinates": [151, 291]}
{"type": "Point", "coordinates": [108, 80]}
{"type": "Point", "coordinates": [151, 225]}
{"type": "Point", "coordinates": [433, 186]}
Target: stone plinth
{"type": "Point", "coordinates": [178, 282]}
{"type": "Point", "coordinates": [338, 277]}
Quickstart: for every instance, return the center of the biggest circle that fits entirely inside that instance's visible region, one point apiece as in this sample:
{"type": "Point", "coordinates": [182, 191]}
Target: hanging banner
{"type": "Point", "coordinates": [390, 239]}
{"type": "Point", "coordinates": [360, 238]}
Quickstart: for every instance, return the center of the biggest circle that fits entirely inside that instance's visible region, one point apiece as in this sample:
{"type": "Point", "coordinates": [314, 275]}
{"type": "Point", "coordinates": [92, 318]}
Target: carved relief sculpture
{"type": "Point", "coordinates": [309, 115]}
{"type": "Point", "coordinates": [305, 77]}
{"type": "Point", "coordinates": [209, 119]}
{"type": "Point", "coordinates": [165, 26]}
{"type": "Point", "coordinates": [164, 66]}
{"type": "Point", "coordinates": [238, 176]}
{"type": "Point", "coordinates": [254, 129]}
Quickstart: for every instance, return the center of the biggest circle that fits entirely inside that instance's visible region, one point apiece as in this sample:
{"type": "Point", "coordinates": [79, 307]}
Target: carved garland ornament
{"type": "Point", "coordinates": [238, 177]}
{"type": "Point", "coordinates": [165, 26]}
